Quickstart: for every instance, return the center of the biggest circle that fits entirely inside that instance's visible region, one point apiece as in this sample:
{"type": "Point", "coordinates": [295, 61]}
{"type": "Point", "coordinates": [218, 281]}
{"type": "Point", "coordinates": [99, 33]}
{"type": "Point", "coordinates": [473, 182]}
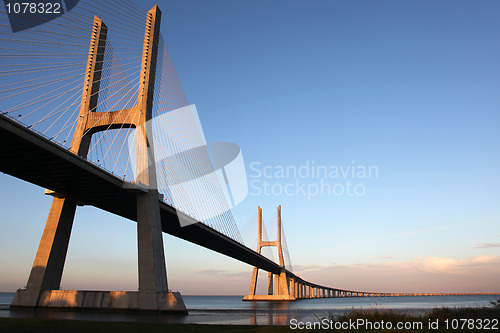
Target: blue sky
{"type": "Point", "coordinates": [409, 87]}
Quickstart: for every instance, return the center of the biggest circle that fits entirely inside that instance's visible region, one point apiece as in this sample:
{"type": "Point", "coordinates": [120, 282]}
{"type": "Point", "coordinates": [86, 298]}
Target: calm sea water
{"type": "Point", "coordinates": [232, 310]}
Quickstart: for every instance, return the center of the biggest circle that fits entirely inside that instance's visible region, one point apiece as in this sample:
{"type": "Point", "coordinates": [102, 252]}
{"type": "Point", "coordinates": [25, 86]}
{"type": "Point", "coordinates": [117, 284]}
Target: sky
{"type": "Point", "coordinates": [405, 93]}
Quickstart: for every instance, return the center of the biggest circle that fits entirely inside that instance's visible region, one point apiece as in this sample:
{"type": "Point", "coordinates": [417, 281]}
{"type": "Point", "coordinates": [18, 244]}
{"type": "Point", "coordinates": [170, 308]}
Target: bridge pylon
{"type": "Point", "coordinates": [283, 287]}
{"type": "Point", "coordinates": [42, 289]}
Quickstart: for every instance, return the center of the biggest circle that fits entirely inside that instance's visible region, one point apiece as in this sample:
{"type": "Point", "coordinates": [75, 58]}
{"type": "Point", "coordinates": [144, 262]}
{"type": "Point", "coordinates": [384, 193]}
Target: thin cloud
{"type": "Point", "coordinates": [307, 268]}
{"type": "Point", "coordinates": [211, 271]}
{"type": "Point", "coordinates": [429, 274]}
{"type": "Point", "coordinates": [222, 272]}
{"type": "Point", "coordinates": [424, 231]}
{"type": "Point", "coordinates": [486, 245]}
{"type": "Point", "coordinates": [447, 226]}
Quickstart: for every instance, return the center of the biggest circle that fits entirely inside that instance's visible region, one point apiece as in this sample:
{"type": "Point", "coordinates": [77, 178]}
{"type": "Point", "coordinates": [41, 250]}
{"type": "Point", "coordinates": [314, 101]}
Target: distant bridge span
{"type": "Point", "coordinates": [31, 157]}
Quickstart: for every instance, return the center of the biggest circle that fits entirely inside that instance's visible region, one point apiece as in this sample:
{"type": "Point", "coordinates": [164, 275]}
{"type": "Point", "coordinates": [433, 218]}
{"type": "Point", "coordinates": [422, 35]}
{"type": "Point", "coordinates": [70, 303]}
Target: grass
{"type": "Point", "coordinates": [436, 320]}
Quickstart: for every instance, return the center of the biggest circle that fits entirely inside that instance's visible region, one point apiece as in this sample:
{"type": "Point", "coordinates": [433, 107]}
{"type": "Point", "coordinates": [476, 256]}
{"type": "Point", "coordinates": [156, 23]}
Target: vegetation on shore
{"type": "Point", "coordinates": [436, 320]}
{"type": "Point", "coordinates": [471, 319]}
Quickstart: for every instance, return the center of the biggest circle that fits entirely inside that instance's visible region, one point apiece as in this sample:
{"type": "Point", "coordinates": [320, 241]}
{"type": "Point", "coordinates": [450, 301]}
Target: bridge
{"type": "Point", "coordinates": [150, 189]}
{"type": "Point", "coordinates": [32, 157]}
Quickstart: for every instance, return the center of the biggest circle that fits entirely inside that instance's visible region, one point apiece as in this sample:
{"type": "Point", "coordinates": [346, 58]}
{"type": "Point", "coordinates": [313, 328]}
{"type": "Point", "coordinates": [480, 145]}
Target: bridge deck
{"type": "Point", "coordinates": [30, 156]}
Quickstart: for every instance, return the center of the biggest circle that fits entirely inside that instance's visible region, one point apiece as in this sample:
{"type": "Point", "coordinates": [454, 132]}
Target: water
{"type": "Point", "coordinates": [232, 310]}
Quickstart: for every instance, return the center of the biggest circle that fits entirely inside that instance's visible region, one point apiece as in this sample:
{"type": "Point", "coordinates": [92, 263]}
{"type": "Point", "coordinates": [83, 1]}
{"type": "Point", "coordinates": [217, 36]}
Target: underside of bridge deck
{"type": "Point", "coordinates": [29, 156]}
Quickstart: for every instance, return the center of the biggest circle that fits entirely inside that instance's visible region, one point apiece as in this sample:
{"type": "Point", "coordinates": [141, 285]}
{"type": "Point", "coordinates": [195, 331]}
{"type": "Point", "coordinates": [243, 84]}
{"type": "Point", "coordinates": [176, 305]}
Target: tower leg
{"type": "Point", "coordinates": [48, 266]}
{"type": "Point", "coordinates": [282, 288]}
{"type": "Point", "coordinates": [283, 284]}
{"type": "Point", "coordinates": [253, 285]}
{"type": "Point", "coordinates": [270, 289]}
{"type": "Point", "coordinates": [276, 284]}
{"type": "Point", "coordinates": [151, 256]}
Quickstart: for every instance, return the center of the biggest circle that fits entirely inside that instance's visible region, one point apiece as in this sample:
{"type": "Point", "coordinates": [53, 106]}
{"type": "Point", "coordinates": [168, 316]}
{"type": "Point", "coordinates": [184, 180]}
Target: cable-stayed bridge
{"type": "Point", "coordinates": [103, 121]}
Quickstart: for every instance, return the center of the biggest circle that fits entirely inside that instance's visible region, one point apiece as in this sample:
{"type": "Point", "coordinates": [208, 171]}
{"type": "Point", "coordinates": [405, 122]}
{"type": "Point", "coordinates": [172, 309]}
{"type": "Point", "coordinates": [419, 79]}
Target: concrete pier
{"type": "Point", "coordinates": [283, 289]}
{"type": "Point", "coordinates": [123, 301]}
{"type": "Point", "coordinates": [42, 289]}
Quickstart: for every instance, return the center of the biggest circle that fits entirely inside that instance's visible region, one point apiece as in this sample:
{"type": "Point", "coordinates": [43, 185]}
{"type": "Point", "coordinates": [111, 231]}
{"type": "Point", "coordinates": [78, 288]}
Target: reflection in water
{"type": "Point", "coordinates": [235, 317]}
{"type": "Point", "coordinates": [278, 313]}
{"type": "Point", "coordinates": [275, 314]}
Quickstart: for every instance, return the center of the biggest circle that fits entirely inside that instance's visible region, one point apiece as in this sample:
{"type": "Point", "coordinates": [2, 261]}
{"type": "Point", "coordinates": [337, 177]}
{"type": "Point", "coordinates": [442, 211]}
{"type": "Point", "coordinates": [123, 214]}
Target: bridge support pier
{"type": "Point", "coordinates": [42, 289]}
{"type": "Point", "coordinates": [153, 292]}
{"type": "Point", "coordinates": [270, 289]}
{"type": "Point", "coordinates": [286, 285]}
{"type": "Point", "coordinates": [47, 270]}
{"type": "Point", "coordinates": [283, 289]}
